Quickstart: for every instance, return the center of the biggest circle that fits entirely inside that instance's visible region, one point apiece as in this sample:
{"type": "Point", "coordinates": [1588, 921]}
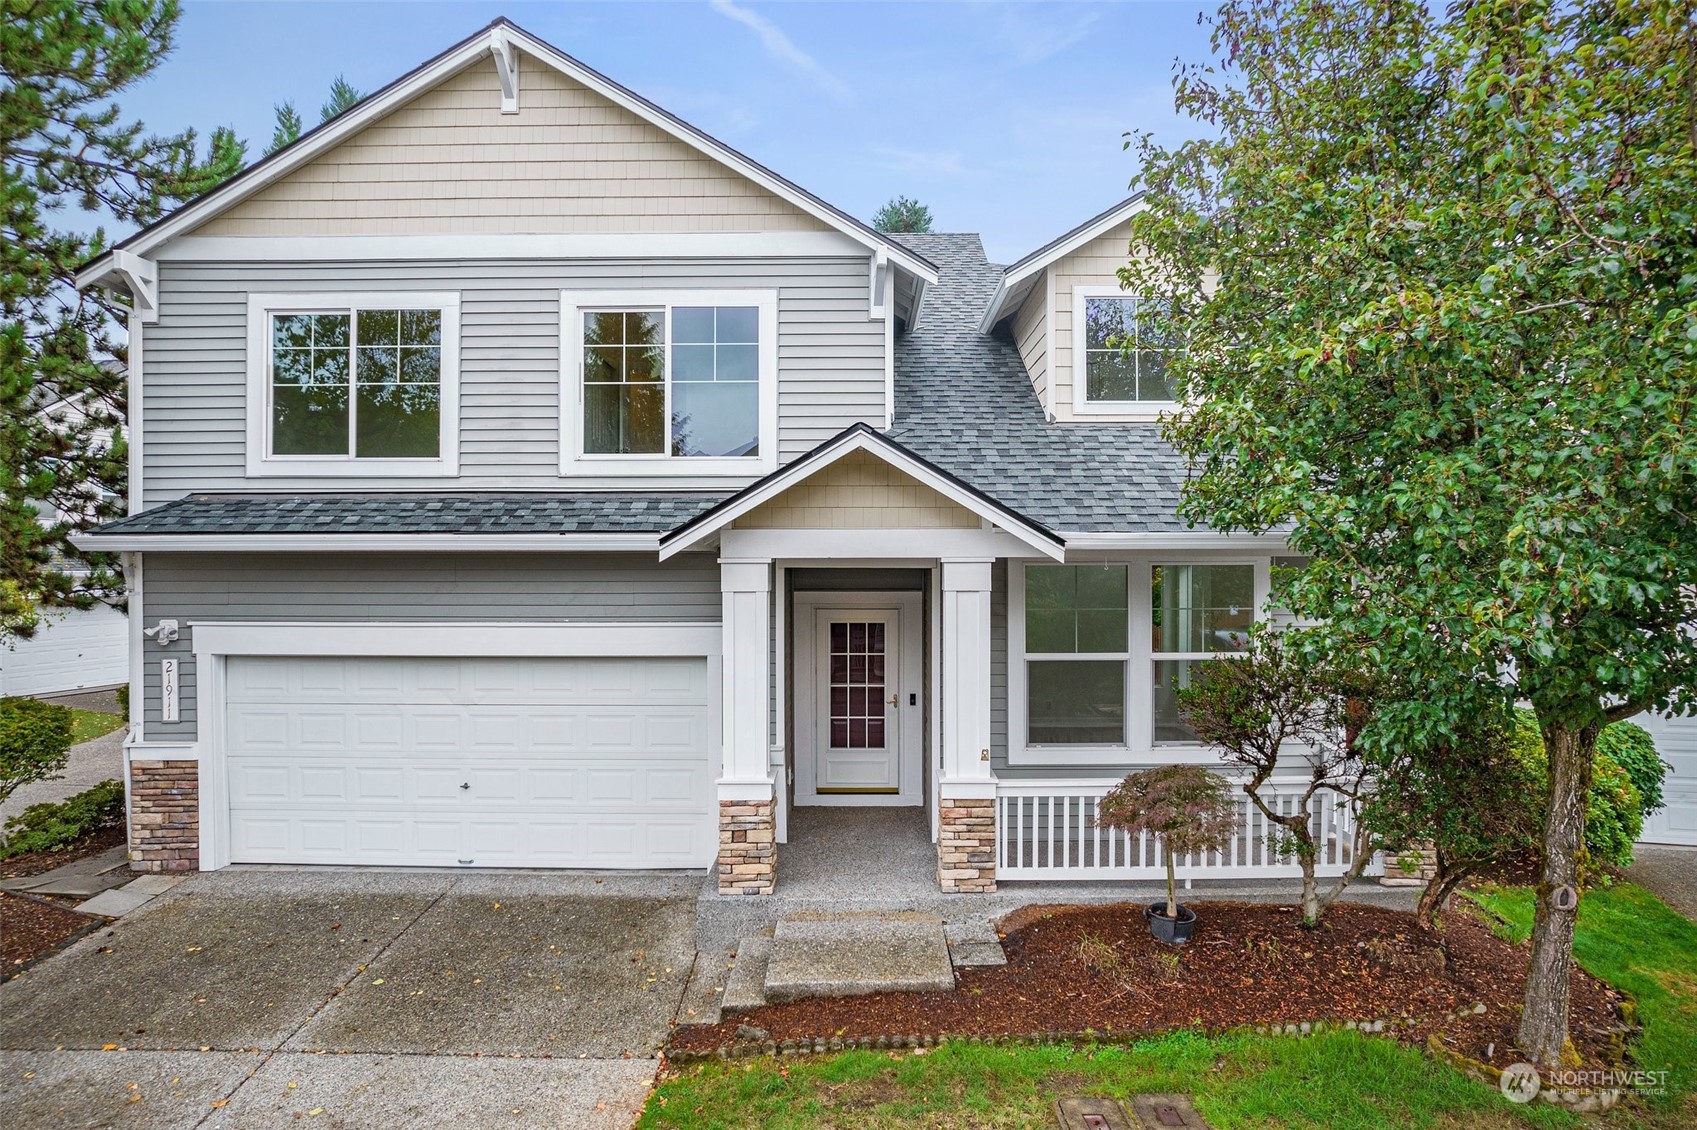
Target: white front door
{"type": "Point", "coordinates": [858, 699]}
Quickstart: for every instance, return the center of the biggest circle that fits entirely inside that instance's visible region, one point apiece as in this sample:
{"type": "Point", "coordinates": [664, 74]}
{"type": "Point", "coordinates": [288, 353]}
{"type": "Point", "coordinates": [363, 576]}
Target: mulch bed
{"type": "Point", "coordinates": [1076, 969]}
{"type": "Point", "coordinates": [31, 927]}
{"type": "Point", "coordinates": [35, 862]}
{"type": "Point", "coordinates": [34, 926]}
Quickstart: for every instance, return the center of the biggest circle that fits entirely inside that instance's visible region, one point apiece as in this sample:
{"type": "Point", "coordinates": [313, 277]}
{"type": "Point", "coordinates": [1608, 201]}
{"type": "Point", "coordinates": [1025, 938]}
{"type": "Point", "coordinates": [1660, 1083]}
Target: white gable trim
{"type": "Point", "coordinates": [499, 37]}
{"type": "Point", "coordinates": [693, 534]}
{"type": "Point", "coordinates": [1018, 279]}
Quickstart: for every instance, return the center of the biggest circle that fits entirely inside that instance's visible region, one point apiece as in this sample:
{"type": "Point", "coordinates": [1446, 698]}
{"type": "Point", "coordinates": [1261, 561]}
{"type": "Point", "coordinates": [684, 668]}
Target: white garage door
{"type": "Point", "coordinates": [1676, 741]}
{"type": "Point", "coordinates": [470, 762]}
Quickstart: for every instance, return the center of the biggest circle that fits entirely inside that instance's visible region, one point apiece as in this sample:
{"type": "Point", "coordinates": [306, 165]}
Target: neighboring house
{"type": "Point", "coordinates": [535, 481]}
{"type": "Point", "coordinates": [1676, 741]}
{"type": "Point", "coordinates": [72, 649]}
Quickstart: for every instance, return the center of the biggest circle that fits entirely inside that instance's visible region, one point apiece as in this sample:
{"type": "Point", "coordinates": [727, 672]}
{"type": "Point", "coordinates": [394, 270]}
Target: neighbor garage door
{"type": "Point", "coordinates": [1676, 741]}
{"type": "Point", "coordinates": [469, 762]}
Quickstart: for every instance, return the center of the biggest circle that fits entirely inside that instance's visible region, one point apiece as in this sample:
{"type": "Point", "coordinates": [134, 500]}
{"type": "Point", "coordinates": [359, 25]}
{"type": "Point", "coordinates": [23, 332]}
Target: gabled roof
{"type": "Point", "coordinates": [1018, 279]}
{"type": "Point", "coordinates": [860, 437]}
{"type": "Point", "coordinates": [499, 36]}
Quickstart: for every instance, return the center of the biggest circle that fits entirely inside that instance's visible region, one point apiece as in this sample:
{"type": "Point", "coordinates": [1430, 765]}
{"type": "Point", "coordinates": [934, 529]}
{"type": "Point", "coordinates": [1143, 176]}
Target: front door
{"type": "Point", "coordinates": [858, 689]}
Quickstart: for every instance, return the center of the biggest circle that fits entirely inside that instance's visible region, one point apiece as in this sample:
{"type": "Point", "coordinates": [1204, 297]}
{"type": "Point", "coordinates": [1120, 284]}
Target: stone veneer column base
{"type": "Point", "coordinates": [164, 816]}
{"type": "Point", "coordinates": [966, 846]}
{"type": "Point", "coordinates": [748, 851]}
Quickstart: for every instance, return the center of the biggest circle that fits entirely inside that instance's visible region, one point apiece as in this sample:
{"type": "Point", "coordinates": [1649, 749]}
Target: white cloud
{"type": "Point", "coordinates": [783, 48]}
{"type": "Point", "coordinates": [1032, 40]}
{"type": "Point", "coordinates": [920, 162]}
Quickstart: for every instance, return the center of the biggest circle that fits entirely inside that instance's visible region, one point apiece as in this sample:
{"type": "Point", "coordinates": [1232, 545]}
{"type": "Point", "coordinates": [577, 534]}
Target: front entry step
{"type": "Point", "coordinates": [852, 953]}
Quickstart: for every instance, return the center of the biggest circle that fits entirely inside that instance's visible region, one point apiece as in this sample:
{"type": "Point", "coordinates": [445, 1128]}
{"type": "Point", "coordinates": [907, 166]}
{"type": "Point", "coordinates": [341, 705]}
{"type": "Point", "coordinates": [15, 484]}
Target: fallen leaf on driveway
{"type": "Point", "coordinates": [220, 1104]}
{"type": "Point", "coordinates": [109, 1047]}
{"type": "Point", "coordinates": [379, 981]}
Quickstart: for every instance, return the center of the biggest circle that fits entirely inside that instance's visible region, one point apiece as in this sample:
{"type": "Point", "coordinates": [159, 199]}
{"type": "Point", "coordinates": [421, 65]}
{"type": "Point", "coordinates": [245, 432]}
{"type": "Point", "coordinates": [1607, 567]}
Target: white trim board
{"type": "Point", "coordinates": [542, 245]}
{"type": "Point", "coordinates": [367, 543]}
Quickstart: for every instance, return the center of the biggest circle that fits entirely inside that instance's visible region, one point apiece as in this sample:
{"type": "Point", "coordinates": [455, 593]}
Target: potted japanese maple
{"type": "Point", "coordinates": [1191, 810]}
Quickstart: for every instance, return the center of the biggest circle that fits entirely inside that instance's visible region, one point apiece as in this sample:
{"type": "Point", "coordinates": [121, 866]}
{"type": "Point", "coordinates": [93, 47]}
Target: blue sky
{"type": "Point", "coordinates": [1005, 118]}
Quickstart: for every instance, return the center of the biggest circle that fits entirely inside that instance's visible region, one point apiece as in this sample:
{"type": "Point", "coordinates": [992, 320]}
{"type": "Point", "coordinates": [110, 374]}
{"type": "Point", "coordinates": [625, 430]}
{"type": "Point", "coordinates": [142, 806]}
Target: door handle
{"type": "Point", "coordinates": [895, 700]}
{"type": "Point", "coordinates": [467, 785]}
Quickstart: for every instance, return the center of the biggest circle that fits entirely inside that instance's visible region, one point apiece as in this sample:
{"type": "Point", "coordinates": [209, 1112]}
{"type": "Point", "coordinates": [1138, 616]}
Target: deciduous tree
{"type": "Point", "coordinates": [1438, 274]}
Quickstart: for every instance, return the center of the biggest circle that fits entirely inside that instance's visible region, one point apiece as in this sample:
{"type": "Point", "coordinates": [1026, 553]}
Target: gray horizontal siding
{"type": "Point", "coordinates": [830, 359]}
{"type": "Point", "coordinates": [412, 587]}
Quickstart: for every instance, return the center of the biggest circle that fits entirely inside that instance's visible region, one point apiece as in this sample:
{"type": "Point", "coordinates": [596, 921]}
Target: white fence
{"type": "Point", "coordinates": [1049, 831]}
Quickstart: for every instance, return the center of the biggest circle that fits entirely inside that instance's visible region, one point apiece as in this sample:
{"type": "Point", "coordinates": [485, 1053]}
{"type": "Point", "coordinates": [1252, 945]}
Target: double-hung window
{"type": "Point", "coordinates": [675, 383]}
{"type": "Point", "coordinates": [1122, 346]}
{"type": "Point", "coordinates": [1098, 653]}
{"type": "Point", "coordinates": [353, 384]}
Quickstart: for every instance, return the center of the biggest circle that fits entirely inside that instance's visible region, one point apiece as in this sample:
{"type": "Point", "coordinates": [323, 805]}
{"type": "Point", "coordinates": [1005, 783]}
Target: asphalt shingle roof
{"type": "Point", "coordinates": [415, 514]}
{"type": "Point", "coordinates": [965, 402]}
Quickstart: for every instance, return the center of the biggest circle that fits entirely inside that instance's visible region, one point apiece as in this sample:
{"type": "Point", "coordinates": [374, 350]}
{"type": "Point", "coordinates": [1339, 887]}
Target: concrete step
{"type": "Point", "coordinates": [973, 943]}
{"type": "Point", "coordinates": [745, 988]}
{"type": "Point", "coordinates": [853, 953]}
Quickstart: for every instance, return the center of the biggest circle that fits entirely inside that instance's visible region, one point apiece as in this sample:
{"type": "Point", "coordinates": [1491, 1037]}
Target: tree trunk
{"type": "Point", "coordinates": [1446, 877]}
{"type": "Point", "coordinates": [1543, 1022]}
{"type": "Point", "coordinates": [1172, 886]}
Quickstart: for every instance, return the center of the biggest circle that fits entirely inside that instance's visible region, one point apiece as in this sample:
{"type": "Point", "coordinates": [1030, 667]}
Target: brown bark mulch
{"type": "Point", "coordinates": [1073, 969]}
{"type": "Point", "coordinates": [31, 927]}
{"type": "Point", "coordinates": [35, 862]}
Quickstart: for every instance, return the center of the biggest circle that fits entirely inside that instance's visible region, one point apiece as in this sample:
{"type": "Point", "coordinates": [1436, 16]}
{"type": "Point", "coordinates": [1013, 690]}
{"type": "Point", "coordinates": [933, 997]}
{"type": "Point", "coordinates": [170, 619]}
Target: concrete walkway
{"type": "Point", "coordinates": [259, 997]}
{"type": "Point", "coordinates": [1669, 873]}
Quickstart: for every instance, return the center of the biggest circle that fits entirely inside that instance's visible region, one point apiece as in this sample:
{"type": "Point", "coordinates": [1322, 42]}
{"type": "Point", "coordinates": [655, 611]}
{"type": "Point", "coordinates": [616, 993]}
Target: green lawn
{"type": "Point", "coordinates": [1632, 940]}
{"type": "Point", "coordinates": [86, 725]}
{"type": "Point", "coordinates": [1335, 1081]}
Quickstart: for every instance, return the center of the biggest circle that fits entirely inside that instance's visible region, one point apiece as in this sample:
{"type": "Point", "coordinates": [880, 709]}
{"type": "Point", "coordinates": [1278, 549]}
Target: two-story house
{"type": "Point", "coordinates": [524, 478]}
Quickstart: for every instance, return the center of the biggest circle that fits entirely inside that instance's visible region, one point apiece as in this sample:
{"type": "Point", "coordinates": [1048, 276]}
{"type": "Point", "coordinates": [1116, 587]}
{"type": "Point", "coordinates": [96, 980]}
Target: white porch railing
{"type": "Point", "coordinates": [1048, 830]}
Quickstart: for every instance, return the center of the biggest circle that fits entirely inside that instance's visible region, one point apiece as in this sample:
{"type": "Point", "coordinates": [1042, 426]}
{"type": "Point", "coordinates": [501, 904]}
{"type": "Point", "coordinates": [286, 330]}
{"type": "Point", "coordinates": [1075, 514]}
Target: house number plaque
{"type": "Point", "coordinates": [167, 690]}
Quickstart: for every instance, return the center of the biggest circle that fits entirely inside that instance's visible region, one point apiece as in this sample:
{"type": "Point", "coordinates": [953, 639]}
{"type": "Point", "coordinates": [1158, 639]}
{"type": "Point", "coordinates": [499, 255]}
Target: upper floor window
{"type": "Point", "coordinates": [1123, 345]}
{"type": "Point", "coordinates": [353, 384]}
{"type": "Point", "coordinates": [672, 384]}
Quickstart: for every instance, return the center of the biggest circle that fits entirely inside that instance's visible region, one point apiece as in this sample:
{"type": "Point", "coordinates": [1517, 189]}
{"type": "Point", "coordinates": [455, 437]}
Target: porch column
{"type": "Point", "coordinates": [966, 843]}
{"type": "Point", "coordinates": [747, 852]}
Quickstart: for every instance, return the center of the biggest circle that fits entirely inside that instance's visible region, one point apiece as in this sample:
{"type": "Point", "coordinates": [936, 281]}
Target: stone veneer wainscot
{"type": "Point", "coordinates": [164, 816]}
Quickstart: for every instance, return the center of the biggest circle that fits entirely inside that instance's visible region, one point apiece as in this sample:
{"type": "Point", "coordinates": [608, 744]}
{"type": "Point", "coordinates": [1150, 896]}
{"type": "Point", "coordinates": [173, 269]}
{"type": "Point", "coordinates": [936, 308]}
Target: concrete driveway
{"type": "Point", "coordinates": [256, 998]}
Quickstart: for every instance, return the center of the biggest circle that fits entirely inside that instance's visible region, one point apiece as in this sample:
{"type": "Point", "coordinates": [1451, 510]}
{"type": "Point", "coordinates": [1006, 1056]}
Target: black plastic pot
{"type": "Point", "coordinates": [1173, 931]}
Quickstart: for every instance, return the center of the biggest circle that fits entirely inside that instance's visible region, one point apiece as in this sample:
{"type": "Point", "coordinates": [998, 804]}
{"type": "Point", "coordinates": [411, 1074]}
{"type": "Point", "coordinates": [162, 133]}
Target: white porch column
{"type": "Point", "coordinates": [967, 790]}
{"type": "Point", "coordinates": [747, 852]}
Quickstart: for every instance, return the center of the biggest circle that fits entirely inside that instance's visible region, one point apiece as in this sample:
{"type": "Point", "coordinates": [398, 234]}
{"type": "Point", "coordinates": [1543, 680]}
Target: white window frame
{"type": "Point", "coordinates": [575, 462]}
{"type": "Point", "coordinates": [1139, 747]}
{"type": "Point", "coordinates": [260, 460]}
{"type": "Point", "coordinates": [1081, 403]}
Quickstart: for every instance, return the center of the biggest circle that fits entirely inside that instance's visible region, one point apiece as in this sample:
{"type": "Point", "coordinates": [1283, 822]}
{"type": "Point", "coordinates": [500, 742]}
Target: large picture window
{"type": "Point", "coordinates": [684, 381]}
{"type": "Point", "coordinates": [1100, 652]}
{"type": "Point", "coordinates": [353, 384]}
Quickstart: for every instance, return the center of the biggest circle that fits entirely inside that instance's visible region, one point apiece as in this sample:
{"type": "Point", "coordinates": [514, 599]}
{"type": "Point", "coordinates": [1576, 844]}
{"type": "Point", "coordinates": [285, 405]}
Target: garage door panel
{"type": "Point", "coordinates": [523, 763]}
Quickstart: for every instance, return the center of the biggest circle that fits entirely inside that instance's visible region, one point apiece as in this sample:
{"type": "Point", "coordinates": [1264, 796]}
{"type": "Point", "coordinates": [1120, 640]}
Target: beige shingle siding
{"type": "Point", "coordinates": [1031, 334]}
{"type": "Point", "coordinates": [1094, 264]}
{"type": "Point", "coordinates": [570, 161]}
{"type": "Point", "coordinates": [859, 491]}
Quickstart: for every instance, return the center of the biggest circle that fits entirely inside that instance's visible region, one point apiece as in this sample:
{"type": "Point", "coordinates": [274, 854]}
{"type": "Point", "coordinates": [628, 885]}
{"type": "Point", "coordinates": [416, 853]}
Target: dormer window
{"type": "Point", "coordinates": [1125, 342]}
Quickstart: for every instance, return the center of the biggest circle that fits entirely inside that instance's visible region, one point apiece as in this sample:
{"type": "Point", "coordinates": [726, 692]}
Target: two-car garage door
{"type": "Point", "coordinates": [486, 762]}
